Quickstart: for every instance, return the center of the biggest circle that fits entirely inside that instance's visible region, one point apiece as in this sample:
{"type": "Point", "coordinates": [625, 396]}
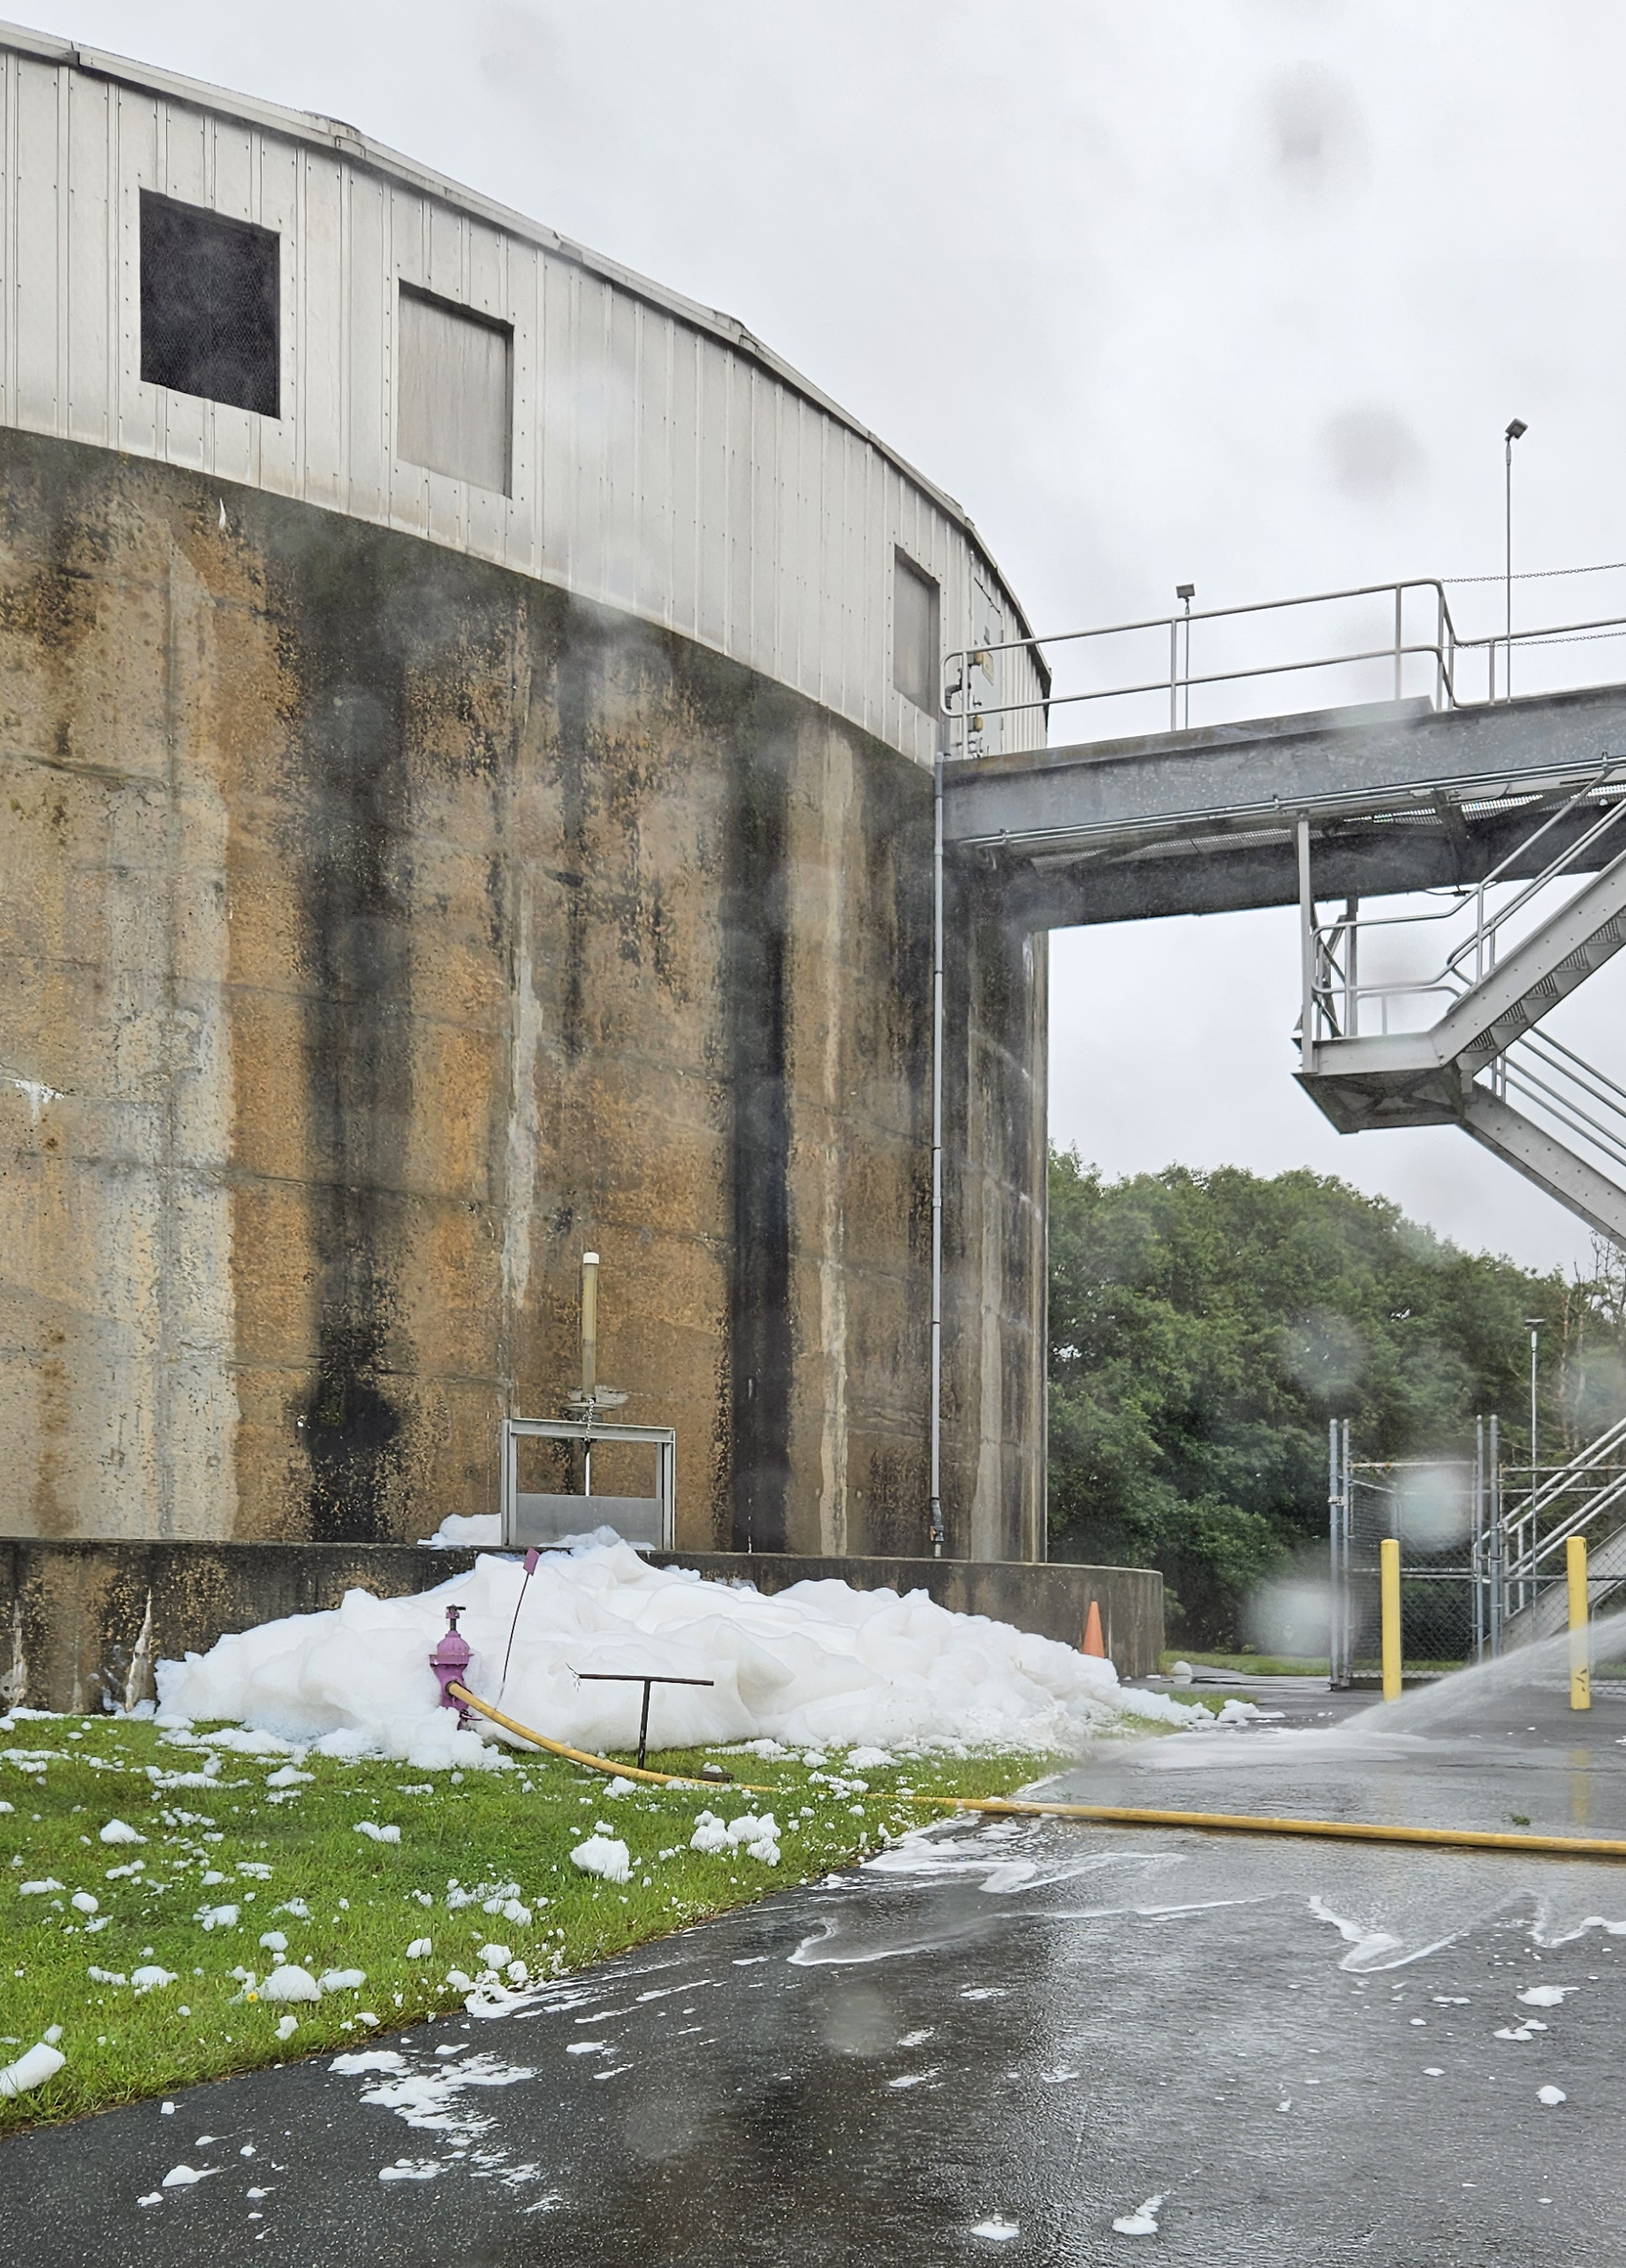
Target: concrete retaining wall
{"type": "Point", "coordinates": [71, 1613]}
{"type": "Point", "coordinates": [1051, 1600]}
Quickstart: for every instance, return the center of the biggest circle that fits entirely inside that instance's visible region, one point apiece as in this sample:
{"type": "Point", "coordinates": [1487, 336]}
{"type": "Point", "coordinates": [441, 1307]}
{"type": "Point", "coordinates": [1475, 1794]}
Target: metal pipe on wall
{"type": "Point", "coordinates": [934, 1508]}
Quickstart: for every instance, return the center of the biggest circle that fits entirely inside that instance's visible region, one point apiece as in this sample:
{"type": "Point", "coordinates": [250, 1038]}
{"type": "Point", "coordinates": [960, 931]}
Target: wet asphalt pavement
{"type": "Point", "coordinates": [995, 2042]}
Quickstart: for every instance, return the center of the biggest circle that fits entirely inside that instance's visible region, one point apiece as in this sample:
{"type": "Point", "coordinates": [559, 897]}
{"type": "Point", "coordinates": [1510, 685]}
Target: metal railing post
{"type": "Point", "coordinates": [1307, 948]}
{"type": "Point", "coordinates": [1400, 597]}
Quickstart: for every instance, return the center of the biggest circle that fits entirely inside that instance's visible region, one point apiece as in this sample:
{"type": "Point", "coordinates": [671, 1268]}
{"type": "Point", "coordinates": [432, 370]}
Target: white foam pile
{"type": "Point", "coordinates": [817, 1664]}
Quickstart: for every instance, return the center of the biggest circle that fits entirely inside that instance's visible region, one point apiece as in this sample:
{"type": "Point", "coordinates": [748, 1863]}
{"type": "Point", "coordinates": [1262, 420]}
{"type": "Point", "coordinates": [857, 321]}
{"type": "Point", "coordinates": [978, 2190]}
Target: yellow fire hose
{"type": "Point", "coordinates": [1108, 1815]}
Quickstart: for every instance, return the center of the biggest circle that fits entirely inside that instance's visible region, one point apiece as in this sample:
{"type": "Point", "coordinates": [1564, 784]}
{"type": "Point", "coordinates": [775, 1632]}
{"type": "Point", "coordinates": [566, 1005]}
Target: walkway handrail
{"type": "Point", "coordinates": [959, 664]}
{"type": "Point", "coordinates": [1444, 649]}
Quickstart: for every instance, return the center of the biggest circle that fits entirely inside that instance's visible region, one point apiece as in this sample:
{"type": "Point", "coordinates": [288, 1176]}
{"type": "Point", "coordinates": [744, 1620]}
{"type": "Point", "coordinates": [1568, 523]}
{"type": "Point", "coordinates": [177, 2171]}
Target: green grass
{"type": "Point", "coordinates": [503, 1833]}
{"type": "Point", "coordinates": [1260, 1665]}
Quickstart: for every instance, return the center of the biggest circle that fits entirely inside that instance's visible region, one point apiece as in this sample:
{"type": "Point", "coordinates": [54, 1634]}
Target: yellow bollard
{"type": "Point", "coordinates": [1388, 1579]}
{"type": "Point", "coordinates": [1580, 1637]}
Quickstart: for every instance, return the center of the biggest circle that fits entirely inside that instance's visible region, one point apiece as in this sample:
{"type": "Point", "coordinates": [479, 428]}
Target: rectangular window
{"type": "Point", "coordinates": [455, 400]}
{"type": "Point", "coordinates": [211, 305]}
{"type": "Point", "coordinates": [916, 661]}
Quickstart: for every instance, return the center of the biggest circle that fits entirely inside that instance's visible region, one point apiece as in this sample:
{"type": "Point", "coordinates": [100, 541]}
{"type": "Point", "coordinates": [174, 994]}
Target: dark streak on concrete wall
{"type": "Point", "coordinates": [759, 1368]}
{"type": "Point", "coordinates": [350, 735]}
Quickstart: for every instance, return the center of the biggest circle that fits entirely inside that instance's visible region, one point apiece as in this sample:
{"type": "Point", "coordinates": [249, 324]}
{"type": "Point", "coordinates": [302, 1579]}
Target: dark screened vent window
{"type": "Point", "coordinates": [212, 297]}
{"type": "Point", "coordinates": [915, 660]}
{"type": "Point", "coordinates": [455, 401]}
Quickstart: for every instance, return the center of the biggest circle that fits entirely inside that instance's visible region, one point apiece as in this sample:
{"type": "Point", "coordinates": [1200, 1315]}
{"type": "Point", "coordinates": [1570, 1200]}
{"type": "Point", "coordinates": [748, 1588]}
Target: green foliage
{"type": "Point", "coordinates": [1205, 1327]}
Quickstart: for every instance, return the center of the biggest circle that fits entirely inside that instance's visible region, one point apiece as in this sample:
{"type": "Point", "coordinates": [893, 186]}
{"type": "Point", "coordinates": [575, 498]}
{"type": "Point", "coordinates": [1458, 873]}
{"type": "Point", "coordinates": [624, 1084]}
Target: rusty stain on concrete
{"type": "Point", "coordinates": [378, 928]}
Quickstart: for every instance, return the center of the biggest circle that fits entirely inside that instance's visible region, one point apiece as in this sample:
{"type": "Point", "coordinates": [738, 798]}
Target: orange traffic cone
{"type": "Point", "coordinates": [1093, 1642]}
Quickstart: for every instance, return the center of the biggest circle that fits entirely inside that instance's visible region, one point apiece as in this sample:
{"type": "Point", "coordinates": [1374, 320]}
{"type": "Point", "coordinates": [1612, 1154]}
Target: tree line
{"type": "Point", "coordinates": [1205, 1327]}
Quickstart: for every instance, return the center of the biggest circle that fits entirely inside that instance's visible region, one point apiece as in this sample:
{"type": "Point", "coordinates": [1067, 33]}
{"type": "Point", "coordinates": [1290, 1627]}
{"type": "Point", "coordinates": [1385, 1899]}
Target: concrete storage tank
{"type": "Point", "coordinates": [468, 731]}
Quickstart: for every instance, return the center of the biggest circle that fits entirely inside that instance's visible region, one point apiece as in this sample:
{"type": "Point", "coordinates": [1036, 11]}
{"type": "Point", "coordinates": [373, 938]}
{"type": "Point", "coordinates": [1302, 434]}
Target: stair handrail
{"type": "Point", "coordinates": [1485, 929]}
{"type": "Point", "coordinates": [1524, 1566]}
{"type": "Point", "coordinates": [1583, 1460]}
{"type": "Point", "coordinates": [1515, 1076]}
{"type": "Point", "coordinates": [1523, 1560]}
{"type": "Point", "coordinates": [1451, 979]}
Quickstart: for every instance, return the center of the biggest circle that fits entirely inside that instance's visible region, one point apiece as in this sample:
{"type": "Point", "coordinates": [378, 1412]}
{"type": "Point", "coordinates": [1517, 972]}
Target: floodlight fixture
{"type": "Point", "coordinates": [1517, 429]}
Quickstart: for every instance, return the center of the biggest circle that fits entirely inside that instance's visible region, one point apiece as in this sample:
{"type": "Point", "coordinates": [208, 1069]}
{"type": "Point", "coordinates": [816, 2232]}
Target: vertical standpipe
{"type": "Point", "coordinates": [935, 1383]}
{"type": "Point", "coordinates": [589, 1326]}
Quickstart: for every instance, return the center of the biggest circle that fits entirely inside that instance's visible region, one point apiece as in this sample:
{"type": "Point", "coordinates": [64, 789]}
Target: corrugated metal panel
{"type": "Point", "coordinates": [658, 464]}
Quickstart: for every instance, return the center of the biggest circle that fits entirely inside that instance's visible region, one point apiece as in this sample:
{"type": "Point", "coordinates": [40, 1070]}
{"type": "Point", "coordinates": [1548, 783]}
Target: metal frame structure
{"type": "Point", "coordinates": [662, 1438]}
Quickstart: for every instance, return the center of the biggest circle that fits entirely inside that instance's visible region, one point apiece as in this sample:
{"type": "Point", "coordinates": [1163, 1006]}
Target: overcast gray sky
{"type": "Point", "coordinates": [1234, 291]}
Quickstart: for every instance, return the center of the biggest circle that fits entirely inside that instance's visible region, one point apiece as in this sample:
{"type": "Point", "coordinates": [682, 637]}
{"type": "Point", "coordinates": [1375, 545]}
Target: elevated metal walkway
{"type": "Point", "coordinates": [1511, 806]}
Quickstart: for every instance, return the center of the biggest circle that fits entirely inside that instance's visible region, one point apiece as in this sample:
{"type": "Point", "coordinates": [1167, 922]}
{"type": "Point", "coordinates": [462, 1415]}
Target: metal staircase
{"type": "Point", "coordinates": [1369, 1060]}
{"type": "Point", "coordinates": [1586, 1496]}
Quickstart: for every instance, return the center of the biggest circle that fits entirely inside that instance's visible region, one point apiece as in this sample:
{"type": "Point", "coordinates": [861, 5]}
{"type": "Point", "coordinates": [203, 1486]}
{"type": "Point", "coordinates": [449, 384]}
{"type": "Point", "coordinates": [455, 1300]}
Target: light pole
{"type": "Point", "coordinates": [1188, 592]}
{"type": "Point", "coordinates": [1515, 431]}
{"type": "Point", "coordinates": [1533, 1324]}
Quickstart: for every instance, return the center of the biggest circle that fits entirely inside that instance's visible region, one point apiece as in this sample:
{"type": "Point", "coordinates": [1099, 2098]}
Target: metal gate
{"type": "Point", "coordinates": [1443, 1513]}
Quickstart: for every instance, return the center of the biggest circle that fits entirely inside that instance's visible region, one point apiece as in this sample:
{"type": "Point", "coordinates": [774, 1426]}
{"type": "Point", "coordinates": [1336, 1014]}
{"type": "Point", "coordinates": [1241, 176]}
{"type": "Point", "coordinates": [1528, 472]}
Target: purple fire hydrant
{"type": "Point", "coordinates": [450, 1662]}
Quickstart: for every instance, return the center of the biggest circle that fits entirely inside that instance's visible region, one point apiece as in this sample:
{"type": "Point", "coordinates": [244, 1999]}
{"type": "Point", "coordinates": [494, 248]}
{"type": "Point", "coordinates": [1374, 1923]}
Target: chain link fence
{"type": "Point", "coordinates": [1441, 1511]}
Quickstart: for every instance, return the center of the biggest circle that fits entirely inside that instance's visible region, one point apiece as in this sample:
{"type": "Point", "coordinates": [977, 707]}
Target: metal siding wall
{"type": "Point", "coordinates": [368, 312]}
{"type": "Point", "coordinates": [91, 316]}
{"type": "Point", "coordinates": [654, 468]}
{"type": "Point", "coordinates": [320, 340]}
{"type": "Point", "coordinates": [35, 245]}
{"type": "Point", "coordinates": [683, 460]}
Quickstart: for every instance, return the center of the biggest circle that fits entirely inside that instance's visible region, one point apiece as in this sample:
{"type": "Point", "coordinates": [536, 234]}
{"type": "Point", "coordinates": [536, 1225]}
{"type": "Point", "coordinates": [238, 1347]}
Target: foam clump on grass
{"type": "Point", "coordinates": [32, 2068]}
{"type": "Point", "coordinates": [605, 1855]}
{"type": "Point", "coordinates": [820, 1663]}
{"type": "Point", "coordinates": [289, 1982]}
{"type": "Point", "coordinates": [759, 1839]}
